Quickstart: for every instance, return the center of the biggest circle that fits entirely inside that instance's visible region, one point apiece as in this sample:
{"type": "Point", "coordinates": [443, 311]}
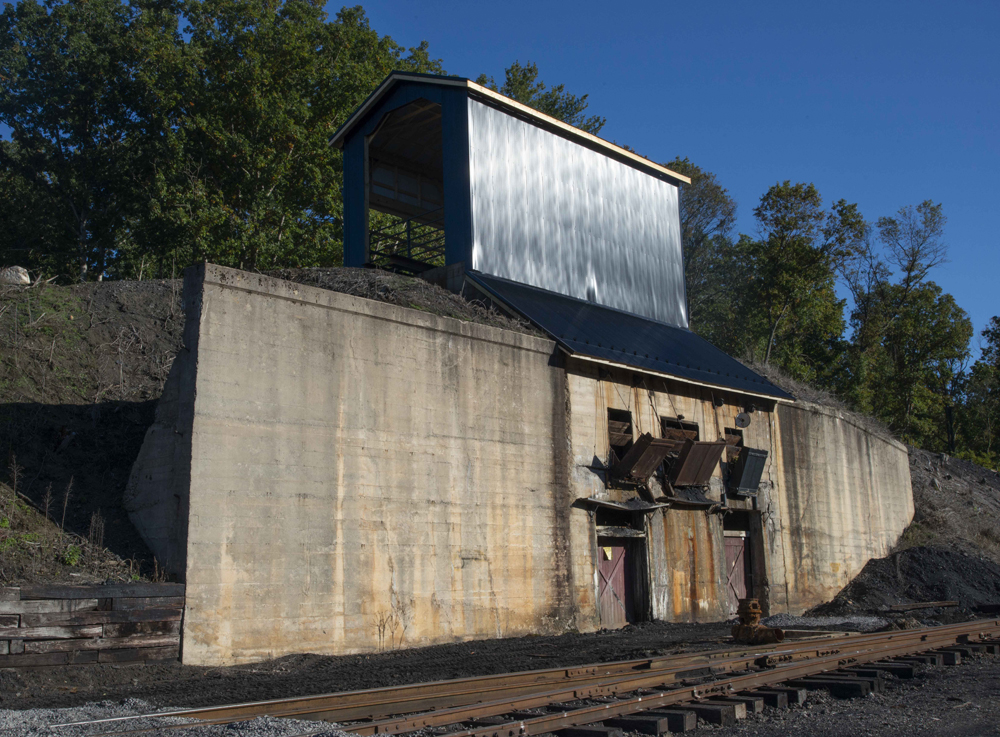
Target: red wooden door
{"type": "Point", "coordinates": [736, 586]}
{"type": "Point", "coordinates": [613, 595]}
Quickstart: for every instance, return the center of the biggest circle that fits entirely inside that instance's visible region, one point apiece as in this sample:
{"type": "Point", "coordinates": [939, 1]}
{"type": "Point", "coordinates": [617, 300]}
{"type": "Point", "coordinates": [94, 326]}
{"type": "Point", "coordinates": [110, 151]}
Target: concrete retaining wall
{"type": "Point", "coordinates": [843, 498]}
{"type": "Point", "coordinates": [364, 476]}
{"type": "Point", "coordinates": [331, 474]}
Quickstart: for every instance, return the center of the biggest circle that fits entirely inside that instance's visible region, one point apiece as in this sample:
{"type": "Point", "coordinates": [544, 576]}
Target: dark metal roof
{"type": "Point", "coordinates": [604, 333]}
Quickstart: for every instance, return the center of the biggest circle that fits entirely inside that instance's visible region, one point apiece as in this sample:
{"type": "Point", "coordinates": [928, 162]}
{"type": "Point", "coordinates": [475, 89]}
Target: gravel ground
{"type": "Point", "coordinates": [955, 701]}
{"type": "Point", "coordinates": [853, 623]}
{"type": "Point", "coordinates": [30, 722]}
{"type": "Point", "coordinates": [171, 684]}
{"type": "Point", "coordinates": [958, 701]}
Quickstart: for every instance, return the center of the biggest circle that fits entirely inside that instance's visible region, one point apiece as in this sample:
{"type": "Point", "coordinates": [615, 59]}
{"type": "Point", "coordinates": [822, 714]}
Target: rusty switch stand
{"type": "Point", "coordinates": [750, 630]}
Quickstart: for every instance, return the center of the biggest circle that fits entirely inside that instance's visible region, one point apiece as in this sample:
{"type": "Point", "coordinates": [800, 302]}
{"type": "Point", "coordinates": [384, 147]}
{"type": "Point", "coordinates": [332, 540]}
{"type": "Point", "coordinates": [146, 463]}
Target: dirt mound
{"type": "Point", "coordinates": [81, 368]}
{"type": "Point", "coordinates": [405, 291]}
{"type": "Point", "coordinates": [915, 575]}
{"type": "Point", "coordinates": [956, 505]}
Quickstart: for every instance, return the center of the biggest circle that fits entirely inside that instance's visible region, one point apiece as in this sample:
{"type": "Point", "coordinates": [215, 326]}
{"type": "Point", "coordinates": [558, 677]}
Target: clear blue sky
{"type": "Point", "coordinates": [881, 103]}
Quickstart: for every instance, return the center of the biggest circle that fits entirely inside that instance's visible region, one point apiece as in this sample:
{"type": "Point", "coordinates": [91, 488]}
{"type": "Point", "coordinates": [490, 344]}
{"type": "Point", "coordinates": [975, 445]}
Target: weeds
{"type": "Point", "coordinates": [72, 555]}
{"type": "Point", "coordinates": [96, 532]}
{"type": "Point", "coordinates": [69, 488]}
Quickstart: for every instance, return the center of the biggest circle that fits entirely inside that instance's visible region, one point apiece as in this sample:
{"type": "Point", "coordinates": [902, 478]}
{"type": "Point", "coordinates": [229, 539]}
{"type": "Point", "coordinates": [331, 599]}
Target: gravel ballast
{"type": "Point", "coordinates": [30, 722]}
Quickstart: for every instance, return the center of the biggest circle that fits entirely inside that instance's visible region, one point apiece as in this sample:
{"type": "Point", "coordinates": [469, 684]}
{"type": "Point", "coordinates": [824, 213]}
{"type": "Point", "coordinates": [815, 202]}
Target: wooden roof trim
{"type": "Point", "coordinates": [547, 120]}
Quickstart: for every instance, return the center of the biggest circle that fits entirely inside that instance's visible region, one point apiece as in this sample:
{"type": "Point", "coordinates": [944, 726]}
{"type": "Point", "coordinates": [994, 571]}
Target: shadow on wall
{"type": "Point", "coordinates": [95, 445]}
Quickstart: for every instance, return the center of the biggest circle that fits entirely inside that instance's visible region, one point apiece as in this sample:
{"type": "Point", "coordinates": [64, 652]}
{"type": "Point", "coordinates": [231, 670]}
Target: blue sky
{"type": "Point", "coordinates": [881, 103]}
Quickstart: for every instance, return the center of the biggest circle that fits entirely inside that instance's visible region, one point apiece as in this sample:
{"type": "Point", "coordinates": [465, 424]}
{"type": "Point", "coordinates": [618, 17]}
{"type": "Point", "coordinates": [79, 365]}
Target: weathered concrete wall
{"type": "Point", "coordinates": [363, 474]}
{"type": "Point", "coordinates": [687, 558]}
{"type": "Point", "coordinates": [156, 496]}
{"type": "Point", "coordinates": [687, 566]}
{"type": "Point", "coordinates": [844, 497]}
{"type": "Point", "coordinates": [334, 475]}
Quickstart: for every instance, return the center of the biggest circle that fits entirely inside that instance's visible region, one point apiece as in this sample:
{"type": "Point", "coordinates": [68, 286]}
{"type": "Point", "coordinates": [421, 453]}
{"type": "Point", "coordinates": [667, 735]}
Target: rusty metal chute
{"type": "Point", "coordinates": [696, 463]}
{"type": "Point", "coordinates": [746, 471]}
{"type": "Point", "coordinates": [643, 458]}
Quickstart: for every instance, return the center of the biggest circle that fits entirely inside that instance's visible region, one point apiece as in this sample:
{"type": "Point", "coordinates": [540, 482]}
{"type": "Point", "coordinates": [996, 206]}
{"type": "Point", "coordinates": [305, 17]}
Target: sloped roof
{"type": "Point", "coordinates": [508, 105]}
{"type": "Point", "coordinates": [592, 331]}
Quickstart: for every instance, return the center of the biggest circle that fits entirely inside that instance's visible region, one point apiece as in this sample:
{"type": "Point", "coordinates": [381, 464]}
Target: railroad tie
{"type": "Point", "coordinates": [922, 659]}
{"type": "Point", "coordinates": [643, 723]}
{"type": "Point", "coordinates": [754, 704]}
{"type": "Point", "coordinates": [842, 688]}
{"type": "Point", "coordinates": [558, 707]}
{"type": "Point", "coordinates": [900, 670]}
{"type": "Point", "coordinates": [483, 721]}
{"type": "Point", "coordinates": [678, 720]}
{"type": "Point", "coordinates": [875, 681]}
{"type": "Point", "coordinates": [723, 715]}
{"type": "Point", "coordinates": [953, 656]}
{"type": "Point", "coordinates": [772, 698]}
{"type": "Point", "coordinates": [796, 696]}
{"type": "Point", "coordinates": [591, 730]}
{"type": "Point", "coordinates": [864, 672]}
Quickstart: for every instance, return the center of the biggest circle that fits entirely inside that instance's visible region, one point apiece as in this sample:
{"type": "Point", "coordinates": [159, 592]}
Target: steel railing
{"type": "Point", "coordinates": [411, 246]}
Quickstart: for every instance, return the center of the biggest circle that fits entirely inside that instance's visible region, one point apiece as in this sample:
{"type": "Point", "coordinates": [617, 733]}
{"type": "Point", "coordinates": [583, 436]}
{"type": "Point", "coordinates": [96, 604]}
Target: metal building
{"type": "Point", "coordinates": [441, 172]}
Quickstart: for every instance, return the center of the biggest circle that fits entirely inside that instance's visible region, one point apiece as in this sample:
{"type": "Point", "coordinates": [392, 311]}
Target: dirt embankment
{"type": "Point", "coordinates": [957, 505]}
{"type": "Point", "coordinates": [81, 368]}
{"type": "Point", "coordinates": [404, 291]}
{"type": "Point", "coordinates": [950, 552]}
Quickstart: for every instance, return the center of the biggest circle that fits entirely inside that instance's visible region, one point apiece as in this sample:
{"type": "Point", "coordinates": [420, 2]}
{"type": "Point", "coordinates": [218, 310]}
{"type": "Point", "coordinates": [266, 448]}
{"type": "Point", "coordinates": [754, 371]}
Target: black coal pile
{"type": "Point", "coordinates": [917, 575]}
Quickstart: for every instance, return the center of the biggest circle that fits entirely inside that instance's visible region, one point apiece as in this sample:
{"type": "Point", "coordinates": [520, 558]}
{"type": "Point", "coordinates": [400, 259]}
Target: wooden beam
{"type": "Point", "coordinates": [56, 591]}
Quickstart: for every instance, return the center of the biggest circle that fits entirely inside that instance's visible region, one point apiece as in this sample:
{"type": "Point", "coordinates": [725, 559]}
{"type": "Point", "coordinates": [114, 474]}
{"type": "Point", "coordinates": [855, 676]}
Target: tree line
{"type": "Point", "coordinates": [897, 347]}
{"type": "Point", "coordinates": [148, 135]}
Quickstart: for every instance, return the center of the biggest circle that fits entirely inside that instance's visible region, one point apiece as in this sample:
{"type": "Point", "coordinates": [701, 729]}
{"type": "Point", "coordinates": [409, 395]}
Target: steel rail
{"type": "Point", "coordinates": [896, 646]}
{"type": "Point", "coordinates": [792, 655]}
{"type": "Point", "coordinates": [370, 703]}
{"type": "Point", "coordinates": [540, 688]}
{"type": "Point", "coordinates": [386, 701]}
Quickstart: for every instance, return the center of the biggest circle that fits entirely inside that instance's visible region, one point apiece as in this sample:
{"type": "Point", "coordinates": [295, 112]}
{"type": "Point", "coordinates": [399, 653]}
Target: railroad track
{"type": "Point", "coordinates": [717, 685]}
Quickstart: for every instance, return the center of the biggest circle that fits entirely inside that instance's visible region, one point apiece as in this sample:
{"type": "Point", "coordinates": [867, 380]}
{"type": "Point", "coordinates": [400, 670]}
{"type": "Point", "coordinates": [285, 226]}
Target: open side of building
{"type": "Point", "coordinates": [331, 474]}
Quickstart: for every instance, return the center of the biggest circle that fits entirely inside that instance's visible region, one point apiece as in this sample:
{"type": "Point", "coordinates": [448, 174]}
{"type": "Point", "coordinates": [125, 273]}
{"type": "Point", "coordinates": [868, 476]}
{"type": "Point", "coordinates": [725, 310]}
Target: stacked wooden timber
{"type": "Point", "coordinates": [60, 625]}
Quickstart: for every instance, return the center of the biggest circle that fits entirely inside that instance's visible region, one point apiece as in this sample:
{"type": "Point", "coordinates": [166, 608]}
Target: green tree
{"type": "Point", "coordinates": [979, 410]}
{"type": "Point", "coordinates": [148, 148]}
{"type": "Point", "coordinates": [785, 308]}
{"type": "Point", "coordinates": [909, 340]}
{"type": "Point", "coordinates": [708, 217]}
{"type": "Point", "coordinates": [521, 83]}
{"type": "Point", "coordinates": [263, 86]}
{"type": "Point", "coordinates": [79, 108]}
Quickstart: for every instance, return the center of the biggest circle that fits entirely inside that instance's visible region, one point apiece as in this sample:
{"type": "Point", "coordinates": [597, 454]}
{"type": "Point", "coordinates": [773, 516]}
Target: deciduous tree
{"type": "Point", "coordinates": [521, 83]}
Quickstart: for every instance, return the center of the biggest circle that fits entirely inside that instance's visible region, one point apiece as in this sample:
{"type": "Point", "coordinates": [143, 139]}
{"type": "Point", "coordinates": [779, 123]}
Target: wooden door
{"type": "Point", "coordinates": [736, 586]}
{"type": "Point", "coordinates": [613, 594]}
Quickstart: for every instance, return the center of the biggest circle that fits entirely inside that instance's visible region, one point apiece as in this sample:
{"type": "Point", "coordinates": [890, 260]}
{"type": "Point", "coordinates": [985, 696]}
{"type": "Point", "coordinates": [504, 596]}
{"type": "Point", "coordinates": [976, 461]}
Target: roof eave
{"type": "Point", "coordinates": [337, 140]}
{"type": "Point", "coordinates": [641, 370]}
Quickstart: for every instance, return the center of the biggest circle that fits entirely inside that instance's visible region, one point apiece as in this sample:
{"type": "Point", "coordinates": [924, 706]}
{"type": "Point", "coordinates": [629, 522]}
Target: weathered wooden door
{"type": "Point", "coordinates": [736, 587]}
{"type": "Point", "coordinates": [613, 595]}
